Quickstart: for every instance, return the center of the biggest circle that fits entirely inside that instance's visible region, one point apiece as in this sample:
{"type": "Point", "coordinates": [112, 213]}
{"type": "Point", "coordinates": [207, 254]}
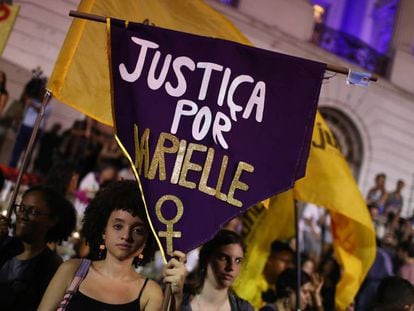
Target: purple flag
{"type": "Point", "coordinates": [211, 126]}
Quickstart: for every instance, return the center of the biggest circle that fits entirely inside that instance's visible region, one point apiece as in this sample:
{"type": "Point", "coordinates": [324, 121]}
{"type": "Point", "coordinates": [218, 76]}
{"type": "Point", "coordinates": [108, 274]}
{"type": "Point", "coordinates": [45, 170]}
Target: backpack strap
{"type": "Point", "coordinates": [74, 285]}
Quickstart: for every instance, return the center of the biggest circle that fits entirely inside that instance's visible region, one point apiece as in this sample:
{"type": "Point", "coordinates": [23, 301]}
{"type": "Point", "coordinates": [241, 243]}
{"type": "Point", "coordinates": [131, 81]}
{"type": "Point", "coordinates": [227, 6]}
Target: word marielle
{"type": "Point", "coordinates": [169, 146]}
{"type": "Point", "coordinates": [203, 120]}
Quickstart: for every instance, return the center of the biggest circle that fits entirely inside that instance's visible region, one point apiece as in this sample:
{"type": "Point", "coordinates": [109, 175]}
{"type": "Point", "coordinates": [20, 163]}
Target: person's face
{"type": "Point", "coordinates": [308, 267]}
{"type": "Point", "coordinates": [374, 213]}
{"type": "Point", "coordinates": [305, 297]}
{"type": "Point", "coordinates": [277, 263]}
{"type": "Point", "coordinates": [225, 265]}
{"type": "Point", "coordinates": [33, 218]}
{"type": "Point", "coordinates": [381, 181]}
{"type": "Point", "coordinates": [108, 174]}
{"type": "Point", "coordinates": [73, 184]}
{"type": "Point", "coordinates": [125, 235]}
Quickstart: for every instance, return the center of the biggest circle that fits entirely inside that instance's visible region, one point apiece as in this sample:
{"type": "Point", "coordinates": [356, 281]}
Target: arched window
{"type": "Point", "coordinates": [347, 136]}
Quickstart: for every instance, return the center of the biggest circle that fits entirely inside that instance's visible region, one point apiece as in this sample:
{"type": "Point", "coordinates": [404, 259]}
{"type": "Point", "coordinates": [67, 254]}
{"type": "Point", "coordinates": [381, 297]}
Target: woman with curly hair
{"type": "Point", "coordinates": [116, 229]}
{"type": "Point", "coordinates": [26, 263]}
{"type": "Point", "coordinates": [209, 285]}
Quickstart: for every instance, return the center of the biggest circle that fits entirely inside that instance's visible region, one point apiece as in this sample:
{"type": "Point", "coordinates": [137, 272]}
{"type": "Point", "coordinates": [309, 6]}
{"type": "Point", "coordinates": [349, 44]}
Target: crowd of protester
{"type": "Point", "coordinates": [85, 204]}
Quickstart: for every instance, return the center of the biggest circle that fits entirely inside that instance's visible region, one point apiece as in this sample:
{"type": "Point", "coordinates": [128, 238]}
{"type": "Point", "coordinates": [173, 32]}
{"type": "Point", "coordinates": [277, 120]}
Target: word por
{"type": "Point", "coordinates": [182, 66]}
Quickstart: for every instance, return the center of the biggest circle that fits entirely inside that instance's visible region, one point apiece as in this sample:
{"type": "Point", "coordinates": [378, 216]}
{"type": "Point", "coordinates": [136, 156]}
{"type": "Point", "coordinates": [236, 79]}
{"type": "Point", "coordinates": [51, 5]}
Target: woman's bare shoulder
{"type": "Point", "coordinates": [59, 284]}
{"type": "Point", "coordinates": [152, 286]}
{"type": "Point", "coordinates": [151, 296]}
{"type": "Point", "coordinates": [69, 267]}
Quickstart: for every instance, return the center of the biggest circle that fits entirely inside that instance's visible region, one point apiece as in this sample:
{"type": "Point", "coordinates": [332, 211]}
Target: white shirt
{"type": "Point", "coordinates": [31, 113]}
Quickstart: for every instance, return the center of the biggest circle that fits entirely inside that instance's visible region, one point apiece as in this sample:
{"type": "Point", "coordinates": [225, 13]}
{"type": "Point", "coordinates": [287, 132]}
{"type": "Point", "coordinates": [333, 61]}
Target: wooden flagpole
{"type": "Point", "coordinates": [28, 152]}
{"type": "Point", "coordinates": [102, 19]}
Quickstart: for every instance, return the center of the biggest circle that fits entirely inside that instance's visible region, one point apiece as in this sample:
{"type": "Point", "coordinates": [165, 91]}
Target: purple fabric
{"type": "Point", "coordinates": [277, 146]}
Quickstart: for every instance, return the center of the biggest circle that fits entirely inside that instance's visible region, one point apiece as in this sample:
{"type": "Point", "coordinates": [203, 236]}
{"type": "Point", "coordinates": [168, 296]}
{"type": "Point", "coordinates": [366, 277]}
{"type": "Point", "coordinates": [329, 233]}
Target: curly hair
{"type": "Point", "coordinates": [195, 280]}
{"type": "Point", "coordinates": [120, 195]}
{"type": "Point", "coordinates": [60, 175]}
{"type": "Point", "coordinates": [60, 209]}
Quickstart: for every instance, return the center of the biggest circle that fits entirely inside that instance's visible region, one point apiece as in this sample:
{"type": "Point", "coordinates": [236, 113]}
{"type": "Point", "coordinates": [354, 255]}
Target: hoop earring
{"type": "Point", "coordinates": [101, 251]}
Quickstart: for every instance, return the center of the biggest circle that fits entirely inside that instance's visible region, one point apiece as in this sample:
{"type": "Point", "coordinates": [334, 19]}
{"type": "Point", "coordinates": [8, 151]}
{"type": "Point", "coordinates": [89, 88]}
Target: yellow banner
{"type": "Point", "coordinates": [262, 224]}
{"type": "Point", "coordinates": [8, 14]}
{"type": "Point", "coordinates": [329, 183]}
{"type": "Point", "coordinates": [80, 77]}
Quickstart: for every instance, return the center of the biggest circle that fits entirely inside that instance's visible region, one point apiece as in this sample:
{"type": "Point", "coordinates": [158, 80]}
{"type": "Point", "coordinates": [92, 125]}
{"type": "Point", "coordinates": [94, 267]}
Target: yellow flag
{"type": "Point", "coordinates": [80, 77]}
{"type": "Point", "coordinates": [329, 183]}
{"type": "Point", "coordinates": [8, 14]}
{"type": "Point", "coordinates": [262, 224]}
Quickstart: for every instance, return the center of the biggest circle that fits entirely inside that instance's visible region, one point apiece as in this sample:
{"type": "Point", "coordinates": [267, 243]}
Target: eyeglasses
{"type": "Point", "coordinates": [29, 210]}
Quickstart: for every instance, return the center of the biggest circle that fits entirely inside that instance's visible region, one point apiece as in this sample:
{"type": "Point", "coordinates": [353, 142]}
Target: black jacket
{"type": "Point", "coordinates": [25, 293]}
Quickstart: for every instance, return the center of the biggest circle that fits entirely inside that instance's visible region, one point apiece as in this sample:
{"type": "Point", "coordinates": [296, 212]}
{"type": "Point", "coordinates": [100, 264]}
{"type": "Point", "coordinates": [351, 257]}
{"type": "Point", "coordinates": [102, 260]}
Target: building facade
{"type": "Point", "coordinates": [374, 125]}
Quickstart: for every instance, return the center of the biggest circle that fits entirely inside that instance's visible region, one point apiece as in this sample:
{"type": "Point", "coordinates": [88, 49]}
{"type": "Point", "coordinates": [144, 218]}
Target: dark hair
{"type": "Point", "coordinates": [378, 176]}
{"type": "Point", "coordinates": [372, 205]}
{"type": "Point", "coordinates": [120, 195]}
{"type": "Point", "coordinates": [60, 176]}
{"type": "Point", "coordinates": [400, 182]}
{"type": "Point", "coordinates": [208, 250]}
{"type": "Point", "coordinates": [394, 293]}
{"type": "Point", "coordinates": [407, 246]}
{"type": "Point", "coordinates": [79, 125]}
{"type": "Point", "coordinates": [287, 282]}
{"type": "Point", "coordinates": [60, 209]}
{"type": "Point", "coordinates": [35, 88]}
{"type": "Point", "coordinates": [3, 83]}
{"type": "Point", "coordinates": [279, 246]}
{"type": "Point", "coordinates": [304, 258]}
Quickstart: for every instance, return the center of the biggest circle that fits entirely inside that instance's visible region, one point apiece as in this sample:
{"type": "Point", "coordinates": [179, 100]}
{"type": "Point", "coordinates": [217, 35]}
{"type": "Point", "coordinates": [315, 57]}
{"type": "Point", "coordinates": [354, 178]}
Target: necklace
{"type": "Point", "coordinates": [222, 304]}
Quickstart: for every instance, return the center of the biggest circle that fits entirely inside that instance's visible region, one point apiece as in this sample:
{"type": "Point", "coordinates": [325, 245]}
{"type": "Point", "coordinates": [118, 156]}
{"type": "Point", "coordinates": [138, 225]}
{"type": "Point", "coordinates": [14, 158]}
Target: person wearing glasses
{"type": "Point", "coordinates": [26, 263]}
{"type": "Point", "coordinates": [116, 228]}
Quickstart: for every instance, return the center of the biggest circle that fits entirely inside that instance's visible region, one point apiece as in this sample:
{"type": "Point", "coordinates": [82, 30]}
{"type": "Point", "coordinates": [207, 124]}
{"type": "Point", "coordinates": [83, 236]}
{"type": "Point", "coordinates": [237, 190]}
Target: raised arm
{"type": "Point", "coordinates": [175, 275]}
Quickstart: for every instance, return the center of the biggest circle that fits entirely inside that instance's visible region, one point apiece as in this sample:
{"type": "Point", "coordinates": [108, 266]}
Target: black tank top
{"type": "Point", "coordinates": [80, 301]}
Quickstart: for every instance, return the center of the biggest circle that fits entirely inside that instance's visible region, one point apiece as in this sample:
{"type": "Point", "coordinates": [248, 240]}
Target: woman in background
{"type": "Point", "coordinates": [310, 297]}
{"type": "Point", "coordinates": [26, 263]}
{"type": "Point", "coordinates": [209, 285]}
